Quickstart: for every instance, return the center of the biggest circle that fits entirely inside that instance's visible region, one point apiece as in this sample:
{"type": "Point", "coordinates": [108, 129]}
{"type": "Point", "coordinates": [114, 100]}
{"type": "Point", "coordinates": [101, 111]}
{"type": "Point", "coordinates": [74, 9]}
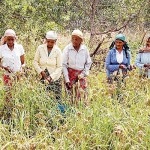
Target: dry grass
{"type": "Point", "coordinates": [107, 123]}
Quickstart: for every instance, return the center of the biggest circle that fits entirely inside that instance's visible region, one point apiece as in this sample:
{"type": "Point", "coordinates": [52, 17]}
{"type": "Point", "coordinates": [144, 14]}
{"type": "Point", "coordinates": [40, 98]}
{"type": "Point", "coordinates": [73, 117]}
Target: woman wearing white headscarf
{"type": "Point", "coordinates": [48, 64]}
{"type": "Point", "coordinates": [11, 57]}
{"type": "Point", "coordinates": [76, 63]}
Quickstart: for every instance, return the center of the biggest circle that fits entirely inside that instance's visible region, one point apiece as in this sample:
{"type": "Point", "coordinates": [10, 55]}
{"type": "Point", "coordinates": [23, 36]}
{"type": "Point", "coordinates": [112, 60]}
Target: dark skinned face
{"type": "Point", "coordinates": [119, 44]}
{"type": "Point", "coordinates": [148, 43]}
{"type": "Point", "coordinates": [50, 43]}
{"type": "Point", "coordinates": [76, 41]}
{"type": "Point", "coordinates": [10, 41]}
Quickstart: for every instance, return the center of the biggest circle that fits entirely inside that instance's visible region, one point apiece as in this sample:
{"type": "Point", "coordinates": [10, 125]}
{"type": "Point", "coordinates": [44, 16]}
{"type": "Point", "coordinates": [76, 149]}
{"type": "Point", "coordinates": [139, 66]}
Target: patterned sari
{"type": "Point", "coordinates": [73, 77]}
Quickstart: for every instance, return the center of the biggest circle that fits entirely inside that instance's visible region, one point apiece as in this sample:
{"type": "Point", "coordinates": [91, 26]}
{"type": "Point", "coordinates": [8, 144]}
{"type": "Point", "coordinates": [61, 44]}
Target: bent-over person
{"type": "Point", "coordinates": [48, 64]}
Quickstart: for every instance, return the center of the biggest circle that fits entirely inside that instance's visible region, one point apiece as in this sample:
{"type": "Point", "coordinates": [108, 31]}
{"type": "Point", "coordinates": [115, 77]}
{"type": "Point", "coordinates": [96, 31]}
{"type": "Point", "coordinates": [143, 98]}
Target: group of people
{"type": "Point", "coordinates": [75, 62]}
{"type": "Point", "coordinates": [118, 59]}
{"type": "Point", "coordinates": [49, 62]}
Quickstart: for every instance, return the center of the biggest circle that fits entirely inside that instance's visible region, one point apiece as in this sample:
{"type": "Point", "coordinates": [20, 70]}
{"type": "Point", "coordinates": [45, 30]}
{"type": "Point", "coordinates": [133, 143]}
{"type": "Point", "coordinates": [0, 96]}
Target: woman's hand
{"type": "Point", "coordinates": [144, 50]}
{"type": "Point", "coordinates": [121, 66]}
{"type": "Point", "coordinates": [80, 76]}
{"type": "Point", "coordinates": [131, 67]}
{"type": "Point", "coordinates": [45, 77]}
{"type": "Point", "coordinates": [43, 74]}
{"type": "Point", "coordinates": [68, 85]}
{"type": "Point", "coordinates": [147, 65]}
{"type": "Point", "coordinates": [7, 69]}
{"type": "Point", "coordinates": [49, 79]}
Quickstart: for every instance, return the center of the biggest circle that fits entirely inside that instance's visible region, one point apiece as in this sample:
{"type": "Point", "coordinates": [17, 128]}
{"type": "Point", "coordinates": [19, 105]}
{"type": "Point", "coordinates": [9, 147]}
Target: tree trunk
{"type": "Point", "coordinates": [92, 21]}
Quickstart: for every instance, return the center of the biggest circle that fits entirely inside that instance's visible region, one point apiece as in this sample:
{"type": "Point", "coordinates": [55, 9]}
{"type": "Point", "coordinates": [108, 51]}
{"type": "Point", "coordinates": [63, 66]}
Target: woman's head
{"type": "Point", "coordinates": [10, 37]}
{"type": "Point", "coordinates": [148, 42]}
{"type": "Point", "coordinates": [51, 38]}
{"type": "Point", "coordinates": [77, 38]}
{"type": "Point", "coordinates": [9, 32]}
{"type": "Point", "coordinates": [120, 41]}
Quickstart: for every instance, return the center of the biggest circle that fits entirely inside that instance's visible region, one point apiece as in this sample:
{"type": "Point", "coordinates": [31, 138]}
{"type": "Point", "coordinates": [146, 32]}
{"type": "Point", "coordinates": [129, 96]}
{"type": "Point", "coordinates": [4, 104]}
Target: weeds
{"type": "Point", "coordinates": [36, 122]}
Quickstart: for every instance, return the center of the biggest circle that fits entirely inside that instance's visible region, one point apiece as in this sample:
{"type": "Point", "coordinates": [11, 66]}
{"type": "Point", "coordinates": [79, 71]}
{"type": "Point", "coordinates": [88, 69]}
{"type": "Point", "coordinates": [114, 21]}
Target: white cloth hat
{"type": "Point", "coordinates": [10, 32]}
{"type": "Point", "coordinates": [78, 33]}
{"type": "Point", "coordinates": [51, 35]}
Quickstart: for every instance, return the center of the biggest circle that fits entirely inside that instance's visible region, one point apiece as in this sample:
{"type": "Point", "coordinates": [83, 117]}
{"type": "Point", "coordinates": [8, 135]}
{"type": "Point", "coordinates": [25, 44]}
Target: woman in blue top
{"type": "Point", "coordinates": [118, 58]}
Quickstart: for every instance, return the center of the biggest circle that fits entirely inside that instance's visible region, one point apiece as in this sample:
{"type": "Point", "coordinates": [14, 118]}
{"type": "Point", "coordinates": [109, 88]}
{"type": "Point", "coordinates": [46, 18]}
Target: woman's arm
{"type": "Point", "coordinates": [5, 68]}
{"type": "Point", "coordinates": [36, 61]}
{"type": "Point", "coordinates": [58, 70]}
{"type": "Point", "coordinates": [1, 64]}
{"type": "Point", "coordinates": [138, 62]}
{"type": "Point", "coordinates": [87, 65]}
{"type": "Point", "coordinates": [65, 64]}
{"type": "Point", "coordinates": [22, 59]}
{"type": "Point", "coordinates": [110, 66]}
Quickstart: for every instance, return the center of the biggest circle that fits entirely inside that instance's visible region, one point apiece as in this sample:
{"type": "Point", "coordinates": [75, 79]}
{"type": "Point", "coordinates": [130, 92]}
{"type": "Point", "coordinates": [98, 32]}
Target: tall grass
{"type": "Point", "coordinates": [106, 123]}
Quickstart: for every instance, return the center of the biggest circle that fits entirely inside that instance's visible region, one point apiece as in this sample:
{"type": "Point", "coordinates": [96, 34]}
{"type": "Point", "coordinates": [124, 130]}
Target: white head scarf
{"type": "Point", "coordinates": [9, 32]}
{"type": "Point", "coordinates": [51, 35]}
{"type": "Point", "coordinates": [78, 33]}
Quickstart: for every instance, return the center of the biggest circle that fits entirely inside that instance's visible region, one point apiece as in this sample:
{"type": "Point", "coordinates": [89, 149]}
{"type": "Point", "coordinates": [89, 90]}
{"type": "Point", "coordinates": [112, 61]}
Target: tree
{"type": "Point", "coordinates": [34, 18]}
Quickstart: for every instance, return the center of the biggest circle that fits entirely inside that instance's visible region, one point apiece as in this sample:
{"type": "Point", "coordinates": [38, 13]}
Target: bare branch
{"type": "Point", "coordinates": [98, 46]}
{"type": "Point", "coordinates": [119, 28]}
{"type": "Point", "coordinates": [143, 38]}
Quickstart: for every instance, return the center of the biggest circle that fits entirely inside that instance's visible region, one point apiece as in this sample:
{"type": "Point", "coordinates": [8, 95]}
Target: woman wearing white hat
{"type": "Point", "coordinates": [11, 57]}
{"type": "Point", "coordinates": [76, 62]}
{"type": "Point", "coordinates": [48, 64]}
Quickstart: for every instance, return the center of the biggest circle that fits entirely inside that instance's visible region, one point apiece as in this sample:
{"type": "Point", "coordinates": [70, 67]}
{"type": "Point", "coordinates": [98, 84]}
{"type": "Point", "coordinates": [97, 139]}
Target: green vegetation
{"type": "Point", "coordinates": [107, 123]}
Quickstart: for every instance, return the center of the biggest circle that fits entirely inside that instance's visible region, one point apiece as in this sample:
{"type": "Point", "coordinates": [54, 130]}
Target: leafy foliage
{"type": "Point", "coordinates": [95, 16]}
{"type": "Point", "coordinates": [109, 122]}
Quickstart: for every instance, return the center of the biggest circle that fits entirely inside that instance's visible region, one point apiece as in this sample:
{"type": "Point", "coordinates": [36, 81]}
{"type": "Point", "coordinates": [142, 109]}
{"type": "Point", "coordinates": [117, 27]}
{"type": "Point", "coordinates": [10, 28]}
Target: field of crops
{"type": "Point", "coordinates": [108, 122]}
